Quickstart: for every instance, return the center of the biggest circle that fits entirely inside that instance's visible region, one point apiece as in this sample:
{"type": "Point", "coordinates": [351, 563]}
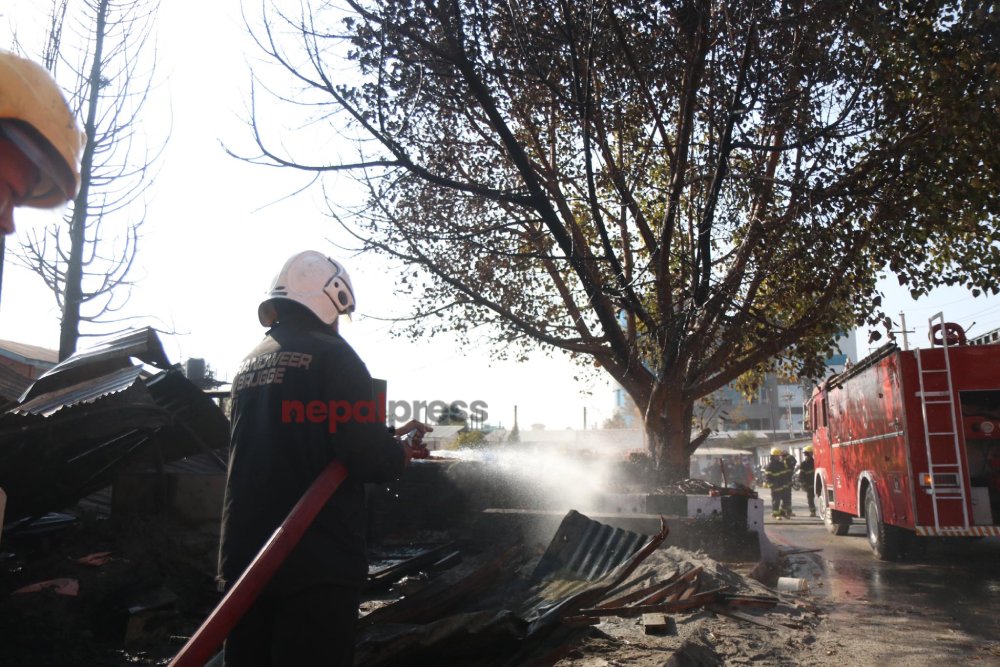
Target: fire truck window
{"type": "Point", "coordinates": [823, 408]}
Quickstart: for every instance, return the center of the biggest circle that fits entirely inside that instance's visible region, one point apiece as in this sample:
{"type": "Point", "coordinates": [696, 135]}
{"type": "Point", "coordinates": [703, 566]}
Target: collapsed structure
{"type": "Point", "coordinates": [88, 417]}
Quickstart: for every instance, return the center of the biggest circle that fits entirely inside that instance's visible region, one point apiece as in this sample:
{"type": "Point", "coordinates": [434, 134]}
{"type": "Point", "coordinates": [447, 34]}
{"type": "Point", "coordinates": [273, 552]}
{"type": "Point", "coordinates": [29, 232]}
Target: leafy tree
{"type": "Point", "coordinates": [110, 59]}
{"type": "Point", "coordinates": [615, 421]}
{"type": "Point", "coordinates": [680, 192]}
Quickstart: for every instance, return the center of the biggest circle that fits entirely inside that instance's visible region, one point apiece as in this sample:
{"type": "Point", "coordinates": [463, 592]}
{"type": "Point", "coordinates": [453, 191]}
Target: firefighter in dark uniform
{"type": "Point", "coordinates": [807, 470]}
{"type": "Point", "coordinates": [307, 613]}
{"type": "Point", "coordinates": [778, 477]}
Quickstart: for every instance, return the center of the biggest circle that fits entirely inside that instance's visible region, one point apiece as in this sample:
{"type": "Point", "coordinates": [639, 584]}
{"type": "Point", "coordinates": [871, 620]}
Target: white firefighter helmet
{"type": "Point", "coordinates": [34, 116]}
{"type": "Point", "coordinates": [313, 280]}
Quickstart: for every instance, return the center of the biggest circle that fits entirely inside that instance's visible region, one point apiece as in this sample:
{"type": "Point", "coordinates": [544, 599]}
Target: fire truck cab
{"type": "Point", "coordinates": [909, 441]}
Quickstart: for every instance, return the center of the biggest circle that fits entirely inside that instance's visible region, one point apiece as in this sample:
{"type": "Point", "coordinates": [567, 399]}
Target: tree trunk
{"type": "Point", "coordinates": [69, 328]}
{"type": "Point", "coordinates": [668, 438]}
{"type": "Point", "coordinates": [69, 332]}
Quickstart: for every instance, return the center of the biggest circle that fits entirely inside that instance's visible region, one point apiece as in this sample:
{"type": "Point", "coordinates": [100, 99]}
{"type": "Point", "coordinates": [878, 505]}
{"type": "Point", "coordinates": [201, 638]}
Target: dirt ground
{"type": "Point", "coordinates": [704, 638]}
{"type": "Point", "coordinates": [808, 630]}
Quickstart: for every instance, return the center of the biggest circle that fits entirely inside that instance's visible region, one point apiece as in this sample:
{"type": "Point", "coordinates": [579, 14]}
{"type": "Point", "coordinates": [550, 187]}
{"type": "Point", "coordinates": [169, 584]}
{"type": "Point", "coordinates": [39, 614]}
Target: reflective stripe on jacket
{"type": "Point", "coordinates": [778, 474]}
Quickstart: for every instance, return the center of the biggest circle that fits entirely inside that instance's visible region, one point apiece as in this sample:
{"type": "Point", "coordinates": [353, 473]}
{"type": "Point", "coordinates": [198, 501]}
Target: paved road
{"type": "Point", "coordinates": [941, 608]}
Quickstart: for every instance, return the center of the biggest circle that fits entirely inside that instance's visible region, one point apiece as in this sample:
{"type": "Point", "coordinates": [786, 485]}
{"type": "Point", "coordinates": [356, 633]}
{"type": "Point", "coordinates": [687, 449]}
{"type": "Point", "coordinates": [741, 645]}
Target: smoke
{"type": "Point", "coordinates": [546, 477]}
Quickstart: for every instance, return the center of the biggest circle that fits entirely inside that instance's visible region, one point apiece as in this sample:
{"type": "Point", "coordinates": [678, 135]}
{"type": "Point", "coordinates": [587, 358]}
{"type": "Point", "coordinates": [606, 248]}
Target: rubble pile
{"type": "Point", "coordinates": [98, 593]}
{"type": "Point", "coordinates": [596, 593]}
{"type": "Point", "coordinates": [597, 596]}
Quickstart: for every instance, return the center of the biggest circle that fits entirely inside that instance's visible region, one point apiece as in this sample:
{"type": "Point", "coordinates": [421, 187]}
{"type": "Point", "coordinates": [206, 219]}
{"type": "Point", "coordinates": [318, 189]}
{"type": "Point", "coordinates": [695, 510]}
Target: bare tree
{"type": "Point", "coordinates": [109, 51]}
{"type": "Point", "coordinates": [678, 192]}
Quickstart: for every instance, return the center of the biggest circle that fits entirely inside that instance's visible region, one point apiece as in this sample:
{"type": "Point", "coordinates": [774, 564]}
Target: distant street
{"type": "Point", "coordinates": [940, 609]}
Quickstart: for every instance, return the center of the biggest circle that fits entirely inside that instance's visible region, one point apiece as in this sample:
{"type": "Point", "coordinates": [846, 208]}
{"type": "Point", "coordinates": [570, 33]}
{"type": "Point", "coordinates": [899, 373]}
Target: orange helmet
{"type": "Point", "coordinates": [34, 116]}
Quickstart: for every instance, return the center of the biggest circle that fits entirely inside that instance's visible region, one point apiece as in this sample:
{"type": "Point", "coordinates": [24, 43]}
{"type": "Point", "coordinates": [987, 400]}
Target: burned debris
{"type": "Point", "coordinates": [481, 594]}
{"type": "Point", "coordinates": [94, 413]}
{"type": "Point", "coordinates": [117, 411]}
{"type": "Point", "coordinates": [506, 609]}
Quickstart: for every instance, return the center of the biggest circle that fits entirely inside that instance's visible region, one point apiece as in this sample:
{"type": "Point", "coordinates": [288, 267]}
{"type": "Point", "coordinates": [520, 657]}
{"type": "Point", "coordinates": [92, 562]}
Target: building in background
{"type": "Point", "coordinates": [774, 412]}
{"type": "Point", "coordinates": [20, 365]}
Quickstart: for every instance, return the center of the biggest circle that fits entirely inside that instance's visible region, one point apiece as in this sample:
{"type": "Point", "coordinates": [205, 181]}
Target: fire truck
{"type": "Point", "coordinates": [909, 441]}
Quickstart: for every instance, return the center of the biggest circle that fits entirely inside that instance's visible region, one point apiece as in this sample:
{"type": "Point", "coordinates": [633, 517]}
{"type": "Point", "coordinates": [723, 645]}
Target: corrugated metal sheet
{"type": "Point", "coordinates": [109, 354]}
{"type": "Point", "coordinates": [581, 553]}
{"type": "Point", "coordinates": [82, 392]}
{"type": "Point", "coordinates": [586, 549]}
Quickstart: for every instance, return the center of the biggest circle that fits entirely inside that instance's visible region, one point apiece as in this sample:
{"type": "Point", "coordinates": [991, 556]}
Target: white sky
{"type": "Point", "coordinates": [214, 237]}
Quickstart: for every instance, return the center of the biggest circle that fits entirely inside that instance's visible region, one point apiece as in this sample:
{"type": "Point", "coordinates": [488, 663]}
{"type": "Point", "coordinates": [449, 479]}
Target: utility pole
{"type": "Point", "coordinates": [902, 321]}
{"type": "Point", "coordinates": [788, 407]}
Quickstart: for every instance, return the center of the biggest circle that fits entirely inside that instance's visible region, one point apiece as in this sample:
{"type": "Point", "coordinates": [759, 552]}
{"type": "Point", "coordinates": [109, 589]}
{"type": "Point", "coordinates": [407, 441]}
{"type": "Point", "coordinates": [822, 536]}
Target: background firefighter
{"type": "Point", "coordinates": [806, 472]}
{"type": "Point", "coordinates": [778, 476]}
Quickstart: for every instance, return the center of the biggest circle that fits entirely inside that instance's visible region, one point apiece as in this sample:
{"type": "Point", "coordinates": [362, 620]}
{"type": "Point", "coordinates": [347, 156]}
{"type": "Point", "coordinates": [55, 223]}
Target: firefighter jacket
{"type": "Point", "coordinates": [300, 399]}
{"type": "Point", "coordinates": [778, 474]}
{"type": "Point", "coordinates": [806, 470]}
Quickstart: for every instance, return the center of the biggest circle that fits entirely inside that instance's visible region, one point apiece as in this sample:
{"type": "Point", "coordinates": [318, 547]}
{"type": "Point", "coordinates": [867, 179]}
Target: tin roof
{"type": "Point", "coordinates": [111, 353]}
{"type": "Point", "coordinates": [28, 354]}
{"type": "Point", "coordinates": [95, 412]}
{"type": "Point", "coordinates": [81, 392]}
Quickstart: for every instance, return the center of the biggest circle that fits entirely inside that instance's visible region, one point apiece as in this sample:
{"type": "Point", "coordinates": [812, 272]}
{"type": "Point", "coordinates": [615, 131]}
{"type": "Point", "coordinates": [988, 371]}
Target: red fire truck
{"type": "Point", "coordinates": [909, 440]}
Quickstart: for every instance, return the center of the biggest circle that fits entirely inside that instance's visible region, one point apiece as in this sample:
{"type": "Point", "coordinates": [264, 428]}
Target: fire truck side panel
{"type": "Point", "coordinates": [975, 374]}
{"type": "Point", "coordinates": [868, 447]}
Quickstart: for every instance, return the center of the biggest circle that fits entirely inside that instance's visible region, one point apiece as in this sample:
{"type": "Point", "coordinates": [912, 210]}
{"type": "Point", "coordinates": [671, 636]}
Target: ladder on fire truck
{"type": "Point", "coordinates": [941, 428]}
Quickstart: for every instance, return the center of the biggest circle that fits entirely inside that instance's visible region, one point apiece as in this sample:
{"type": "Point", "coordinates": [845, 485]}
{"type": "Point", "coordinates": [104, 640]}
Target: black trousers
{"type": "Point", "coordinates": [781, 497]}
{"type": "Point", "coordinates": [810, 498]}
{"type": "Point", "coordinates": [315, 626]}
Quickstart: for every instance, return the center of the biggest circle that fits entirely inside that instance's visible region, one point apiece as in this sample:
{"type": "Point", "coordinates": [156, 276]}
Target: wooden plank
{"type": "Point", "coordinates": [740, 616]}
{"type": "Point", "coordinates": [674, 591]}
{"type": "Point", "coordinates": [691, 590]}
{"type": "Point", "coordinates": [758, 601]}
{"type": "Point", "coordinates": [649, 574]}
{"type": "Point", "coordinates": [696, 600]}
{"type": "Point", "coordinates": [655, 624]}
{"type": "Point", "coordinates": [638, 594]}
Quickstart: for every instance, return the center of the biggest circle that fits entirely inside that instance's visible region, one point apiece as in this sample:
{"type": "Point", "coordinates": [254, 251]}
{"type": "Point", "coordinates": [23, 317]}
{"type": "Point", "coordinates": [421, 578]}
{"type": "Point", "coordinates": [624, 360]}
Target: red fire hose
{"type": "Point", "coordinates": [209, 637]}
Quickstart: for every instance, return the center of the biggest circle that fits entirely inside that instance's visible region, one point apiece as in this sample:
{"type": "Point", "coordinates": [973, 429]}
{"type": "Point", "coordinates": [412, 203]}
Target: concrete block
{"type": "Point", "coordinates": [701, 507]}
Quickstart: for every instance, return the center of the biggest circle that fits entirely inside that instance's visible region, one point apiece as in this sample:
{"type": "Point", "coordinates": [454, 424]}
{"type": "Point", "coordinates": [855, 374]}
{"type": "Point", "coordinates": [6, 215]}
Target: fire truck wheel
{"type": "Point", "coordinates": [837, 523]}
{"type": "Point", "coordinates": [885, 541]}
